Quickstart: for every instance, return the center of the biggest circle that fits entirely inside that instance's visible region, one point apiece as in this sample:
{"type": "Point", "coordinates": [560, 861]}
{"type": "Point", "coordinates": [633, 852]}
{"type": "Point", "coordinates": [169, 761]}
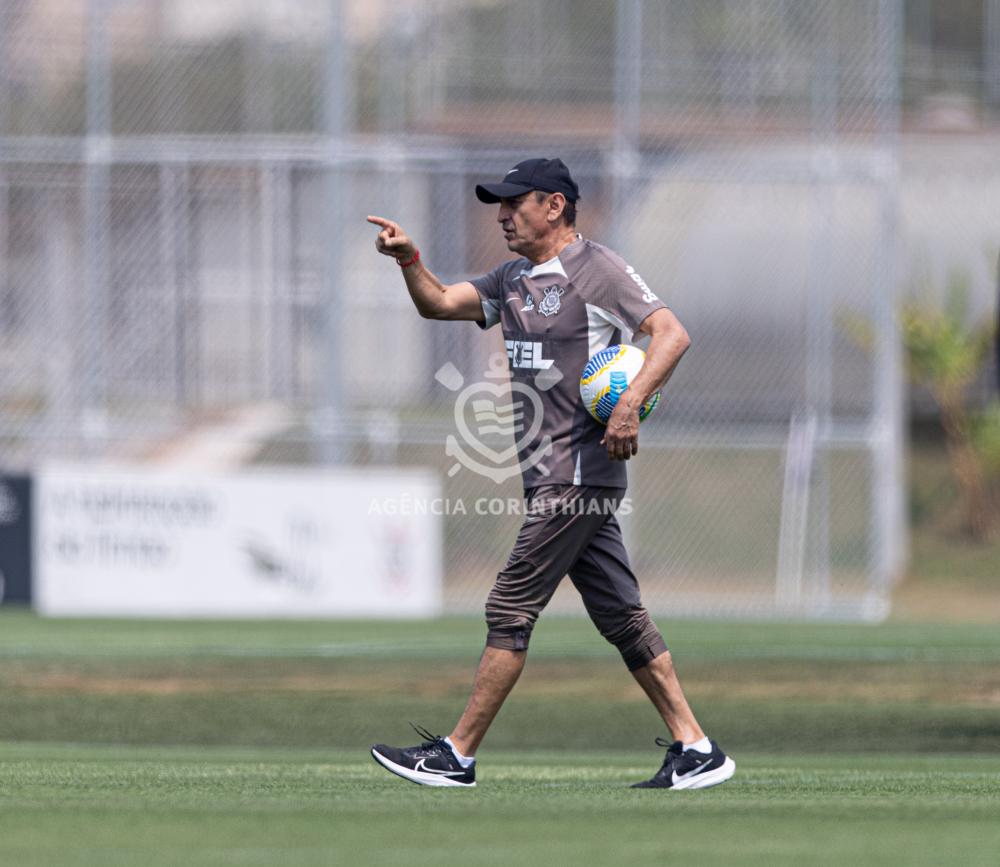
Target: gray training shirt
{"type": "Point", "coordinates": [554, 316]}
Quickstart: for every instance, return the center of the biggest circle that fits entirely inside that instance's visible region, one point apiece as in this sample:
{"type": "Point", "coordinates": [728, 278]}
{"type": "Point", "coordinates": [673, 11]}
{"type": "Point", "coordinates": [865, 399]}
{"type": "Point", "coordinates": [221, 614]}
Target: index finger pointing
{"type": "Point", "coordinates": [381, 221]}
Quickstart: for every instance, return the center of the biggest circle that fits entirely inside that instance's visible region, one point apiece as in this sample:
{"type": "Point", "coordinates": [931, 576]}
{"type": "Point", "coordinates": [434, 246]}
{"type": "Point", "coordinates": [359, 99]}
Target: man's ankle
{"type": "Point", "coordinates": [465, 759]}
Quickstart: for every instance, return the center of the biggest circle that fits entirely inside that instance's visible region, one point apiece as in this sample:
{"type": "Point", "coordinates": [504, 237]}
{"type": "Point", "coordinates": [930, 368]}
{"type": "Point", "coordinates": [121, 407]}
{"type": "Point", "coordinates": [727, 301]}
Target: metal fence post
{"type": "Point", "coordinates": [95, 350]}
{"type": "Point", "coordinates": [825, 97]}
{"type": "Point", "coordinates": [991, 51]}
{"type": "Point", "coordinates": [888, 479]}
{"type": "Point", "coordinates": [337, 110]}
{"type": "Point", "coordinates": [625, 145]}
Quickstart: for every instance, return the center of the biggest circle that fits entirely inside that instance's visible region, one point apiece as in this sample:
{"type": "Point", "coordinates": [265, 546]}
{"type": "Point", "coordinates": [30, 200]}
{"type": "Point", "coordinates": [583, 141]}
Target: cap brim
{"type": "Point", "coordinates": [490, 194]}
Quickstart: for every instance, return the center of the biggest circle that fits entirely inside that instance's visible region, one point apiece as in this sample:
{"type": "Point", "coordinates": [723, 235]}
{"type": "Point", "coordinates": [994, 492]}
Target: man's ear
{"type": "Point", "coordinates": [557, 204]}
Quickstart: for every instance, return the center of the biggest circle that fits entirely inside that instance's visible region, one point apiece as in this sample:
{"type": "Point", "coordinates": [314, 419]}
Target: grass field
{"type": "Point", "coordinates": [131, 743]}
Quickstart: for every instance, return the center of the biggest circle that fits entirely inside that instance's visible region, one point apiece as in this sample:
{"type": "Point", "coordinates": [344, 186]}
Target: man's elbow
{"type": "Point", "coordinates": [676, 334]}
{"type": "Point", "coordinates": [438, 307]}
{"type": "Point", "coordinates": [437, 311]}
{"type": "Point", "coordinates": [667, 330]}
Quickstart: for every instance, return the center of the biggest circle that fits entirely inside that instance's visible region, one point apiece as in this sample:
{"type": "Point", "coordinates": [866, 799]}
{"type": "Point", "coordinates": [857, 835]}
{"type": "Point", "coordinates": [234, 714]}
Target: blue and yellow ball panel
{"type": "Point", "coordinates": [605, 378]}
{"type": "Point", "coordinates": [601, 362]}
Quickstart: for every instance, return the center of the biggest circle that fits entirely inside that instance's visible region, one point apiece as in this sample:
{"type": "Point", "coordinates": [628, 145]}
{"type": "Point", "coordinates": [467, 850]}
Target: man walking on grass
{"type": "Point", "coordinates": [563, 299]}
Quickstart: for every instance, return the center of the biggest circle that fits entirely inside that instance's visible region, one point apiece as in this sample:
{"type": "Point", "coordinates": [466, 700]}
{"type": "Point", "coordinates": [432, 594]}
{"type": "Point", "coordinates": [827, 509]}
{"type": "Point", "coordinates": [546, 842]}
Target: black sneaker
{"type": "Point", "coordinates": [431, 764]}
{"type": "Point", "coordinates": [691, 769]}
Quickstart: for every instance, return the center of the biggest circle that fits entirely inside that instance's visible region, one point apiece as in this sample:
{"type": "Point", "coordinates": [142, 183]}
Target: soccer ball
{"type": "Point", "coordinates": [607, 375]}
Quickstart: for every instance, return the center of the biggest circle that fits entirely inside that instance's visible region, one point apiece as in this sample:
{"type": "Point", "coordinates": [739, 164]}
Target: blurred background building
{"type": "Point", "coordinates": [186, 275]}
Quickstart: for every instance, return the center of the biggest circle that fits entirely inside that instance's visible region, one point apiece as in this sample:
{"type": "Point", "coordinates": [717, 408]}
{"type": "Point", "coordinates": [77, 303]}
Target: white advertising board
{"type": "Point", "coordinates": [132, 541]}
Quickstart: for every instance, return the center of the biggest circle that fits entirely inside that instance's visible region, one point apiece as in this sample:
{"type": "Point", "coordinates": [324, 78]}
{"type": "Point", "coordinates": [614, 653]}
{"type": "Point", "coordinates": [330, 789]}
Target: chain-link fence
{"type": "Point", "coordinates": [183, 188]}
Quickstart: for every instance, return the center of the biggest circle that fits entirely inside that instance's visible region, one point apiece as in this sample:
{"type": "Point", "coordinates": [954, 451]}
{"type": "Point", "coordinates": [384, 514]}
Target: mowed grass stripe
{"type": "Point", "coordinates": [22, 634]}
{"type": "Point", "coordinates": [432, 651]}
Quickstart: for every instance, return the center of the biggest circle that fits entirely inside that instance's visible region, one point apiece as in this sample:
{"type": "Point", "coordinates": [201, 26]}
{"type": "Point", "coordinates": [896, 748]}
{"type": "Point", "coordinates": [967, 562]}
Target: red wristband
{"type": "Point", "coordinates": [413, 261]}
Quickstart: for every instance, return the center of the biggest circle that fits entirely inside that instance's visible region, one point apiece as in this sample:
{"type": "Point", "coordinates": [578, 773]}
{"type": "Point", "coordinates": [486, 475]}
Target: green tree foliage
{"type": "Point", "coordinates": [986, 437]}
{"type": "Point", "coordinates": [945, 354]}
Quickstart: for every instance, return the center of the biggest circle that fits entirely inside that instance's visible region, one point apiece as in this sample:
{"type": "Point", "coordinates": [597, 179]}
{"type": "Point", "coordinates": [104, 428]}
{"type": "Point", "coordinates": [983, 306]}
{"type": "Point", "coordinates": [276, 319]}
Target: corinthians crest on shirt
{"type": "Point", "coordinates": [551, 303]}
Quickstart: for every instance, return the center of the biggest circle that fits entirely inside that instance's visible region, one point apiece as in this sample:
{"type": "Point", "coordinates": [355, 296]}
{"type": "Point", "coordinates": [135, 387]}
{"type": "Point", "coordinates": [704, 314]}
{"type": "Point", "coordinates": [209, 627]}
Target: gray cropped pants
{"type": "Point", "coordinates": [572, 530]}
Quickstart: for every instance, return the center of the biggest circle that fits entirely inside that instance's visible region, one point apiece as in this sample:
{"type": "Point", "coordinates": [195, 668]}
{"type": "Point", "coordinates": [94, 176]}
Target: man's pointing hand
{"type": "Point", "coordinates": [392, 240]}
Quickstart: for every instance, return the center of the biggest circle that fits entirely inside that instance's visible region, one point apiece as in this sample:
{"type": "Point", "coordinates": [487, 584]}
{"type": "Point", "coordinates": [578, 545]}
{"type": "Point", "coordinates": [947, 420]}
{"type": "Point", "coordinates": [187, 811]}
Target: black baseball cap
{"type": "Point", "coordinates": [549, 176]}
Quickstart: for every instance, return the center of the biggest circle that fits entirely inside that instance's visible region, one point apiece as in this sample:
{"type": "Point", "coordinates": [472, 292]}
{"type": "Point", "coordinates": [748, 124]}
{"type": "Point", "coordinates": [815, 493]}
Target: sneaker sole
{"type": "Point", "coordinates": [709, 778]}
{"type": "Point", "coordinates": [420, 777]}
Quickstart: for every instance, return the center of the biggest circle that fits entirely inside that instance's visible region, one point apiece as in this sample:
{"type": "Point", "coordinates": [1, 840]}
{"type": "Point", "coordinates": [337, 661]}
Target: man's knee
{"type": "Point", "coordinates": [513, 605]}
{"type": "Point", "coordinates": [507, 630]}
{"type": "Point", "coordinates": [508, 638]}
{"type": "Point", "coordinates": [634, 634]}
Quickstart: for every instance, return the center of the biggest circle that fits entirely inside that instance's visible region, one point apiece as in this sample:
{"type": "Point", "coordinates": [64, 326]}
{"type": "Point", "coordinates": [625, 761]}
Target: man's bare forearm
{"type": "Point", "coordinates": [426, 290]}
{"type": "Point", "coordinates": [432, 298]}
{"type": "Point", "coordinates": [662, 357]}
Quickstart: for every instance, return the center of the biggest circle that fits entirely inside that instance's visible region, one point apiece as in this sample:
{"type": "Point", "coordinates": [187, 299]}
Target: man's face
{"type": "Point", "coordinates": [525, 223]}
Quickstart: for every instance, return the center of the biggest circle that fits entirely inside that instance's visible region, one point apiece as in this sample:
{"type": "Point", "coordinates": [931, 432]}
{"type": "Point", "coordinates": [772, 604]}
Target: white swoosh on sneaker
{"type": "Point", "coordinates": [675, 778]}
{"type": "Point", "coordinates": [420, 766]}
